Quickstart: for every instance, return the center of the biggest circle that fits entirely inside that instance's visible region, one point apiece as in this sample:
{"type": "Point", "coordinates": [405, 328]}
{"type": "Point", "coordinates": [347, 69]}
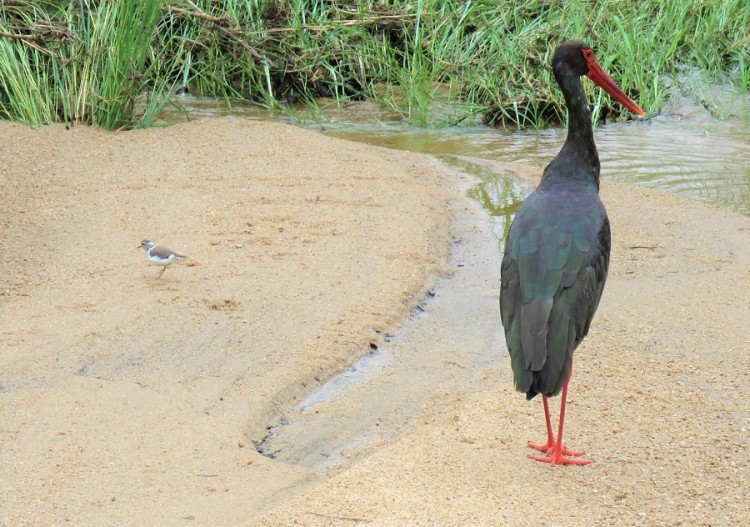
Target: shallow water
{"type": "Point", "coordinates": [684, 151]}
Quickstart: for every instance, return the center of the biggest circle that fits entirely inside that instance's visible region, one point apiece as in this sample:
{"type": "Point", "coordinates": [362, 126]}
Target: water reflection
{"type": "Point", "coordinates": [501, 196]}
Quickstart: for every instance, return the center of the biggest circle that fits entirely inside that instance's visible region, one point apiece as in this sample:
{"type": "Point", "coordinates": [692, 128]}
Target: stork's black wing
{"type": "Point", "coordinates": [552, 278]}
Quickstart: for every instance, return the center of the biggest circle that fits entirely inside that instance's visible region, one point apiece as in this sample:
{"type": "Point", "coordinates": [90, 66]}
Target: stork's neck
{"type": "Point", "coordinates": [578, 159]}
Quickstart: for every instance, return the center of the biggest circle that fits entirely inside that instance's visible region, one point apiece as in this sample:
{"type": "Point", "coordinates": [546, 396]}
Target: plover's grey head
{"type": "Point", "coordinates": [145, 245]}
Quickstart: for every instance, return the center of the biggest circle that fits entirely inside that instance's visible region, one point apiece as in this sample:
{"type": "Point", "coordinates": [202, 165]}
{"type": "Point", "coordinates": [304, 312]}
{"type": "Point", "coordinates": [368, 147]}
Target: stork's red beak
{"type": "Point", "coordinates": [596, 74]}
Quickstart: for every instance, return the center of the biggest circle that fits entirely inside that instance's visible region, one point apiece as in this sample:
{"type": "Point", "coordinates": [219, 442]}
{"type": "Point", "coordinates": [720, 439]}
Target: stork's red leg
{"type": "Point", "coordinates": [557, 454]}
{"type": "Point", "coordinates": [550, 438]}
{"type": "Point", "coordinates": [550, 445]}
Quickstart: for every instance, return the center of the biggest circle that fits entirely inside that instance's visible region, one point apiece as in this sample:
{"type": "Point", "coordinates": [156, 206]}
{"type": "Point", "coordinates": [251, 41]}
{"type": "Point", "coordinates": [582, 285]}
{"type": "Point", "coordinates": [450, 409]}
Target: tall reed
{"type": "Point", "coordinates": [434, 61]}
{"type": "Point", "coordinates": [85, 61]}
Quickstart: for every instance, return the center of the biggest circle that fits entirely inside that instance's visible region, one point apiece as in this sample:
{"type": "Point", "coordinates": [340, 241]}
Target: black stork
{"type": "Point", "coordinates": [557, 253]}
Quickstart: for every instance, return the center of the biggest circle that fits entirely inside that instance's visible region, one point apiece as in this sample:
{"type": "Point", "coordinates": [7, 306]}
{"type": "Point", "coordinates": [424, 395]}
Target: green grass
{"type": "Point", "coordinates": [81, 62]}
{"type": "Point", "coordinates": [435, 62]}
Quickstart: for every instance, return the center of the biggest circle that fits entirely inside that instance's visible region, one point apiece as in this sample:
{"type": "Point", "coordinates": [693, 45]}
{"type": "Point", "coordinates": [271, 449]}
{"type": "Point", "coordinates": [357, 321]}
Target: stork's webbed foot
{"type": "Point", "coordinates": [559, 456]}
{"type": "Point", "coordinates": [549, 448]}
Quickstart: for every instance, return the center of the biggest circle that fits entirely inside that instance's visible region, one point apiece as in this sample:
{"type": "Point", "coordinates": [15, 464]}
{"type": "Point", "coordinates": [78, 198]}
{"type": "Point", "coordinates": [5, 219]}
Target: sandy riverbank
{"type": "Point", "coordinates": [126, 400]}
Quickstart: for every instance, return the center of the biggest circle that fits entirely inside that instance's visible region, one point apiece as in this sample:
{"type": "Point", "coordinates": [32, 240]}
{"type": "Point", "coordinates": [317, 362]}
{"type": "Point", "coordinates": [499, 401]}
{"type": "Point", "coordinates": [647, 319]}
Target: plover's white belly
{"type": "Point", "coordinates": [162, 261]}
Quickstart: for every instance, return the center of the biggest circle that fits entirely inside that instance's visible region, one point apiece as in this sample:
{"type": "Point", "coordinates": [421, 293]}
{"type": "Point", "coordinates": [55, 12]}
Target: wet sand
{"type": "Point", "coordinates": [129, 400]}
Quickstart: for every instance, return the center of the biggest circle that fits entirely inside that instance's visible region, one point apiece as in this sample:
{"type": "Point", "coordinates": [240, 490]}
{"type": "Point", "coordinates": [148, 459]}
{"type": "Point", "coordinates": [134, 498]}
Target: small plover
{"type": "Point", "coordinates": [160, 255]}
